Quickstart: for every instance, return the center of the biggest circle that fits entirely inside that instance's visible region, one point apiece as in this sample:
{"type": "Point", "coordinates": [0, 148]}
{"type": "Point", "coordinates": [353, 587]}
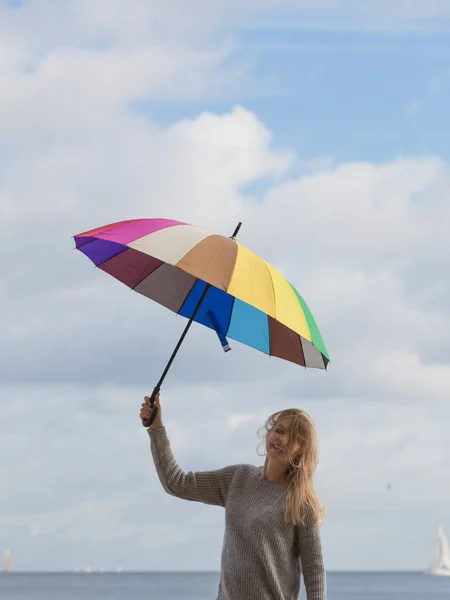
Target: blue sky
{"type": "Point", "coordinates": [347, 94]}
{"type": "Point", "coordinates": [324, 128]}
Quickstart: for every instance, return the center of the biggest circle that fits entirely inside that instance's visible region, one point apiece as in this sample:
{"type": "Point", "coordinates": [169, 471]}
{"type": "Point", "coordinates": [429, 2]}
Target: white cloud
{"type": "Point", "coordinates": [235, 421]}
{"type": "Point", "coordinates": [73, 89]}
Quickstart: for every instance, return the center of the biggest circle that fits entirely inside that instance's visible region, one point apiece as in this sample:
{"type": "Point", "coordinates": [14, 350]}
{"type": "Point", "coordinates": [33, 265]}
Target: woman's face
{"type": "Point", "coordinates": [276, 442]}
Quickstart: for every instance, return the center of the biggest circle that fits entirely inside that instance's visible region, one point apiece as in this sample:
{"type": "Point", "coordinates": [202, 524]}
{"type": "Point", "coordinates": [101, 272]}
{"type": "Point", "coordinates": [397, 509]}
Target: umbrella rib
{"type": "Point", "coordinates": [215, 254]}
{"type": "Point", "coordinates": [230, 315]}
{"type": "Point", "coordinates": [274, 304]}
{"type": "Point", "coordinates": [273, 288]}
{"type": "Point", "coordinates": [189, 293]}
{"type": "Point", "coordinates": [148, 274]}
{"type": "Point", "coordinates": [268, 334]}
{"type": "Point", "coordinates": [124, 249]}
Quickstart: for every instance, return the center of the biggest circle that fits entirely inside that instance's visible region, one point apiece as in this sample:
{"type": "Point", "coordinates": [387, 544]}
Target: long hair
{"type": "Point", "coordinates": [301, 500]}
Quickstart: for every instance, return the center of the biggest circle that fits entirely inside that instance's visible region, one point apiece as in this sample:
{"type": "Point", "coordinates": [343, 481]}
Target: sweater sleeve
{"type": "Point", "coordinates": [310, 551]}
{"type": "Point", "coordinates": [209, 487]}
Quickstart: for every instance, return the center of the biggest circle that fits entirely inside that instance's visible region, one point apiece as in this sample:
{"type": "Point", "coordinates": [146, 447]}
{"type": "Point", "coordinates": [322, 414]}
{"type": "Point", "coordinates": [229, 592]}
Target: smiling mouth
{"type": "Point", "coordinates": [277, 448]}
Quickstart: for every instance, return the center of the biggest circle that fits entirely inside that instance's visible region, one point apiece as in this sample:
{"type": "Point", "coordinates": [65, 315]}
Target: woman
{"type": "Point", "coordinates": [272, 514]}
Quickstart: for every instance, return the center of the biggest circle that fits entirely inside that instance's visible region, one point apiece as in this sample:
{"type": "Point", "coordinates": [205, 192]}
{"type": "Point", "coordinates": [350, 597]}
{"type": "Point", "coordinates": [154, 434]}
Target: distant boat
{"type": "Point", "coordinates": [442, 567]}
{"type": "Point", "coordinates": [8, 561]}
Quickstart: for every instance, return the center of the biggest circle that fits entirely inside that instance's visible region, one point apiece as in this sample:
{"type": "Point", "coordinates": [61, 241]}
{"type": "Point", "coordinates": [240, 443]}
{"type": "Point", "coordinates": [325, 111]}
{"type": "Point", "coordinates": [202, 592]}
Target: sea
{"type": "Point", "coordinates": [203, 586]}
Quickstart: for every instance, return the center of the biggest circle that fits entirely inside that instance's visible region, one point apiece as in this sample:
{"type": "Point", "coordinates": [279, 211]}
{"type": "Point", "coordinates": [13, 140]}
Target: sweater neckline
{"type": "Point", "coordinates": [268, 482]}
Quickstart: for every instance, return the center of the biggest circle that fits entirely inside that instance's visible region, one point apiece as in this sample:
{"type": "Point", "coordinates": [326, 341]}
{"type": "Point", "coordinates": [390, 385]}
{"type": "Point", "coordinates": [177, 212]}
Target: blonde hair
{"type": "Point", "coordinates": [301, 501]}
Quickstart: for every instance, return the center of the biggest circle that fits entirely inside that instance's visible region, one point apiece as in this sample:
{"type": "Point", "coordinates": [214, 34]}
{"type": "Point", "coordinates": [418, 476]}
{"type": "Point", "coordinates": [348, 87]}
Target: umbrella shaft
{"type": "Point", "coordinates": [183, 335]}
{"type": "Point", "coordinates": [151, 419]}
{"type": "Point", "coordinates": [191, 320]}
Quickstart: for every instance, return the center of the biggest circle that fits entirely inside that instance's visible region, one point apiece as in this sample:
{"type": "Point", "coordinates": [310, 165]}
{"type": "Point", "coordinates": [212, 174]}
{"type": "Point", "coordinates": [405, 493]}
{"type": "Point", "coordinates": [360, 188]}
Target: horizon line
{"type": "Point", "coordinates": [123, 571]}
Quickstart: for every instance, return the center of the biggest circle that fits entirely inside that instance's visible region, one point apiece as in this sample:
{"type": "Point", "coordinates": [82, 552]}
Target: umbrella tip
{"type": "Point", "coordinates": [236, 231]}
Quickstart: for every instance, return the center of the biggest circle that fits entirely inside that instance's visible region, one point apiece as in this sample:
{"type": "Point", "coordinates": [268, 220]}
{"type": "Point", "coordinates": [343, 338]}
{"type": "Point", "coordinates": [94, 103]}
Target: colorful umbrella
{"type": "Point", "coordinates": [210, 279]}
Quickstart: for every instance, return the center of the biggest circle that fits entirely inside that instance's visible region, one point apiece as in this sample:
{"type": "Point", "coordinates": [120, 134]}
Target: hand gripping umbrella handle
{"type": "Point", "coordinates": [154, 413]}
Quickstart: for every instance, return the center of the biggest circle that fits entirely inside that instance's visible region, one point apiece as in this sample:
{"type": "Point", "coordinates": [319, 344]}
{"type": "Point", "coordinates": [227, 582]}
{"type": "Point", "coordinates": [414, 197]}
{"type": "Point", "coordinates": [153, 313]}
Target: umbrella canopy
{"type": "Point", "coordinates": [245, 298]}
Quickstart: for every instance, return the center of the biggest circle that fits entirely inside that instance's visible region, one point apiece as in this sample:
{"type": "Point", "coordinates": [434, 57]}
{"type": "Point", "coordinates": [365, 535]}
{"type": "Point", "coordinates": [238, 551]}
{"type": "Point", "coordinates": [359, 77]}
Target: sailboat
{"type": "Point", "coordinates": [8, 561]}
{"type": "Point", "coordinates": [442, 555]}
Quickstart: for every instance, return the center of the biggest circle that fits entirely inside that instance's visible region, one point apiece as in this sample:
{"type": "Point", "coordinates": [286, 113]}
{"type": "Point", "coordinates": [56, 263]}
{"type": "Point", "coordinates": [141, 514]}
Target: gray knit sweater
{"type": "Point", "coordinates": [263, 557]}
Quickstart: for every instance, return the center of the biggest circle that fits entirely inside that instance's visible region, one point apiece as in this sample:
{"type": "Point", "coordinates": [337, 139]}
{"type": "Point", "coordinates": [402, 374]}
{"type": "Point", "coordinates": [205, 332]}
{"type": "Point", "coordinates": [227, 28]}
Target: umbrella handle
{"type": "Point", "coordinates": [154, 413]}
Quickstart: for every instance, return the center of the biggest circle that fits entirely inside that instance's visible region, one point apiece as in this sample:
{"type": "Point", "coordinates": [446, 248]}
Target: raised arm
{"type": "Point", "coordinates": [209, 487]}
{"type": "Point", "coordinates": [310, 554]}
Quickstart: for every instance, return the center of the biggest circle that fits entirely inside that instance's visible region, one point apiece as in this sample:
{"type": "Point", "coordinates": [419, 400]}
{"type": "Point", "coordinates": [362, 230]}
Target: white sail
{"type": "Point", "coordinates": [442, 554]}
{"type": "Point", "coordinates": [8, 561]}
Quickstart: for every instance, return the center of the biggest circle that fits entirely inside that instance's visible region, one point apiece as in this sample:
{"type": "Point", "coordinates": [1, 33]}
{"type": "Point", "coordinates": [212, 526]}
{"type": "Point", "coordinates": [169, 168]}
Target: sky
{"type": "Point", "coordinates": [323, 127]}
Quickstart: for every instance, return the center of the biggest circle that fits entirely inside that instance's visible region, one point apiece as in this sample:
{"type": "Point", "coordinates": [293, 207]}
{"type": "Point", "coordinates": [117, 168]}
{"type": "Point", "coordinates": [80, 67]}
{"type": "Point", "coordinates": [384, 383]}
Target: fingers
{"type": "Point", "coordinates": [146, 407]}
{"type": "Point", "coordinates": [147, 400]}
{"type": "Point", "coordinates": [145, 412]}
